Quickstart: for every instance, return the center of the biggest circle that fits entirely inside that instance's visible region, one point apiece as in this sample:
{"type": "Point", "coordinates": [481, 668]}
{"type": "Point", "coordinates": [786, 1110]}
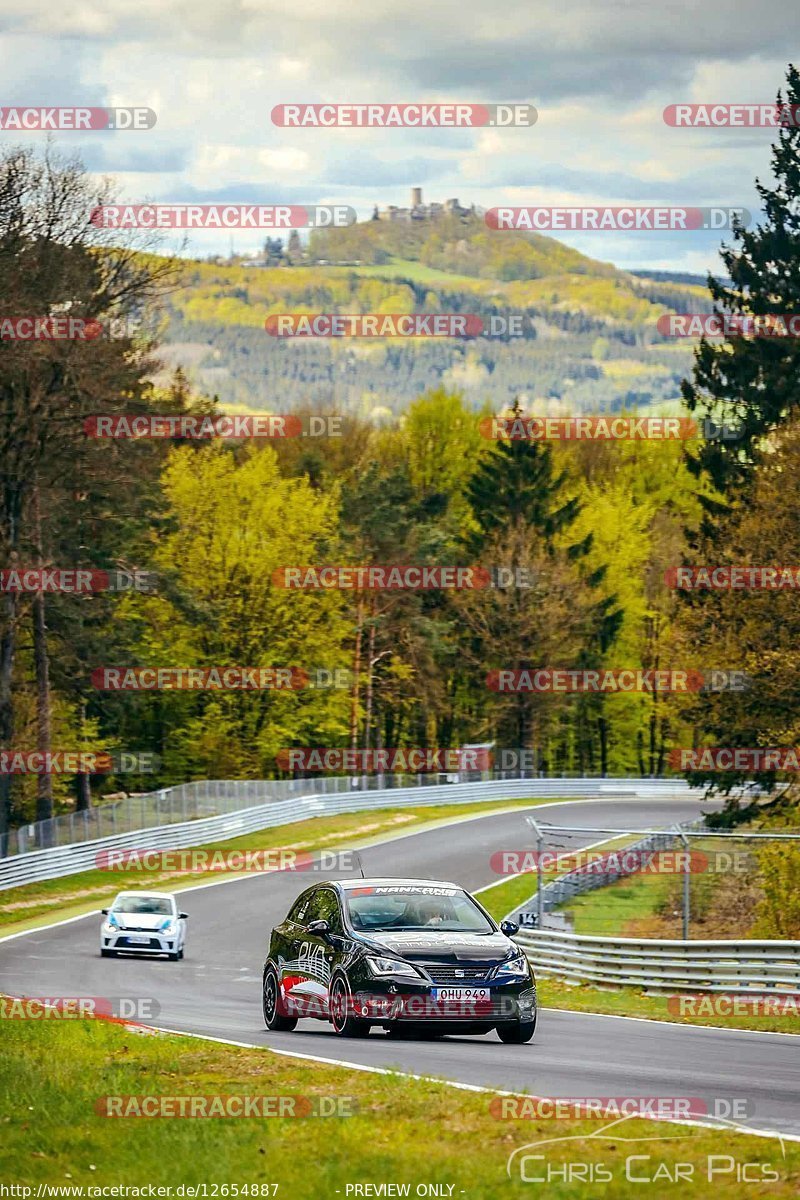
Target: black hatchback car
{"type": "Point", "coordinates": [410, 955]}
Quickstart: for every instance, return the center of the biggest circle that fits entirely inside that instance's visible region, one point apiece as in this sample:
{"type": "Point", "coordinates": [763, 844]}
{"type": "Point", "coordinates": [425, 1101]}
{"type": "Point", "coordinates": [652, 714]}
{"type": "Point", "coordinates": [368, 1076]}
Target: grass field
{"type": "Point", "coordinates": [406, 268]}
{"type": "Point", "coordinates": [54, 1075]}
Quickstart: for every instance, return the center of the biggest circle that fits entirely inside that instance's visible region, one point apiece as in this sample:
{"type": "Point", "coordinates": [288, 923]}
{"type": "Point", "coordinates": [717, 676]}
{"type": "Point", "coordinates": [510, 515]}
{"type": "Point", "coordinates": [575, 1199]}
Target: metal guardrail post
{"type": "Point", "coordinates": [686, 880]}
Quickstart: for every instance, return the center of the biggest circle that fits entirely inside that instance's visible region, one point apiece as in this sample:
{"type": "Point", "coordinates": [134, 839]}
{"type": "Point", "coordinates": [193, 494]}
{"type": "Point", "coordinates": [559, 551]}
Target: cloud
{"type": "Point", "coordinates": [600, 76]}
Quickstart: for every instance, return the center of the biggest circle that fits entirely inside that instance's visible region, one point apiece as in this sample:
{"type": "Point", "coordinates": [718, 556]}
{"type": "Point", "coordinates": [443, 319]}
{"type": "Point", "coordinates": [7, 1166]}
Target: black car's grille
{"type": "Point", "coordinates": [456, 975]}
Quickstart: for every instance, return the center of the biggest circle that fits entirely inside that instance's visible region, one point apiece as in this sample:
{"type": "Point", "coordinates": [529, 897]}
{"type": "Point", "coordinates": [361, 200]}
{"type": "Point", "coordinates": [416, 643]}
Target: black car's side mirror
{"type": "Point", "coordinates": [319, 927]}
{"type": "Point", "coordinates": [183, 916]}
{"type": "Point", "coordinates": [509, 928]}
{"type": "Point", "coordinates": [104, 911]}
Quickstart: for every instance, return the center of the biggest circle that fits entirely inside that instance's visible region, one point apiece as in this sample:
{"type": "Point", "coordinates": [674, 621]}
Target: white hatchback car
{"type": "Point", "coordinates": [143, 923]}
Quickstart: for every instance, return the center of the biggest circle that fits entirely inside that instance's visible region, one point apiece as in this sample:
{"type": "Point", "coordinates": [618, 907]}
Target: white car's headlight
{"type": "Point", "coordinates": [392, 966]}
{"type": "Point", "coordinates": [513, 968]}
{"type": "Point", "coordinates": [170, 927]}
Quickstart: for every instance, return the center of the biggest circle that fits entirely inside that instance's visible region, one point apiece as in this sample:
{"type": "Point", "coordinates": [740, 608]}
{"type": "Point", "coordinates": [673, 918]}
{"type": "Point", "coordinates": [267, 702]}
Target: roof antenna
{"type": "Point", "coordinates": [360, 864]}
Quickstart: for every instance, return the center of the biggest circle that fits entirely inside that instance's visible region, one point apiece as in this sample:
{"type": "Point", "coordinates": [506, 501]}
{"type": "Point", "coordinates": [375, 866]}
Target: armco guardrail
{"type": "Point", "coordinates": [741, 967]}
{"type": "Point", "coordinates": [211, 797]}
{"type": "Point", "coordinates": [618, 864]}
{"type": "Point", "coordinates": [55, 861]}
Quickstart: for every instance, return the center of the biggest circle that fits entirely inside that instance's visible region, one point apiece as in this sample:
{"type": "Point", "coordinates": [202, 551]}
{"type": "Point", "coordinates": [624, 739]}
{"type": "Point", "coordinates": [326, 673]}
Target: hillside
{"type": "Point", "coordinates": [589, 330]}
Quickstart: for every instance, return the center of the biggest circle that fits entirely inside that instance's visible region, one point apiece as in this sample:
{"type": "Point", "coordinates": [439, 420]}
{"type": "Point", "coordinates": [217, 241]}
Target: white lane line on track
{"type": "Point", "coordinates": [465, 1087]}
{"type": "Point", "coordinates": [673, 1024]}
{"type": "Point", "coordinates": [9, 937]}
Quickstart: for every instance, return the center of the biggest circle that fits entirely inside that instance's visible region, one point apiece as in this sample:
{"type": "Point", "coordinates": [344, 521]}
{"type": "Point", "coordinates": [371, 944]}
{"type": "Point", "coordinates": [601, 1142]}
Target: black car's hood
{"type": "Point", "coordinates": [435, 946]}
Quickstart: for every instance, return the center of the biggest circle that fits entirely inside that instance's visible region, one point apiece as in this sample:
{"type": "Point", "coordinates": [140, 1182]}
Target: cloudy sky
{"type": "Point", "coordinates": [600, 75]}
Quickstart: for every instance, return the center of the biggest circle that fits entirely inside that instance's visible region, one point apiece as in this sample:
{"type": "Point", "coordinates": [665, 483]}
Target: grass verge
{"type": "Point", "coordinates": [650, 904]}
{"type": "Point", "coordinates": [52, 1074]}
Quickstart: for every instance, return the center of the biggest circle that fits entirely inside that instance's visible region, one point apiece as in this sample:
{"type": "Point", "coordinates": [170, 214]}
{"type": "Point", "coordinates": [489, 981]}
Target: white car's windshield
{"type": "Point", "coordinates": [415, 908]}
{"type": "Point", "coordinates": [158, 905]}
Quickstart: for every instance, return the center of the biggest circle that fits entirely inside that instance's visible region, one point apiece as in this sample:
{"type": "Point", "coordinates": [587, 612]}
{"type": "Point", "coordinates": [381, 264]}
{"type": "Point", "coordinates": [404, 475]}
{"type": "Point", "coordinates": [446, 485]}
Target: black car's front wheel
{"type": "Point", "coordinates": [340, 1006]}
{"type": "Point", "coordinates": [271, 1004]}
{"type": "Point", "coordinates": [516, 1033]}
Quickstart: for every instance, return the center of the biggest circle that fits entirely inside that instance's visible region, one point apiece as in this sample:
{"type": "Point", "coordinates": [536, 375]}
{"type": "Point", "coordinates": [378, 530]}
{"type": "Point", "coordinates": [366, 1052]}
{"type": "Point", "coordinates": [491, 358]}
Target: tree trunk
{"type": "Point", "coordinates": [368, 706]}
{"type": "Point", "coordinates": [84, 792]}
{"type": "Point", "coordinates": [602, 729]}
{"type": "Point", "coordinates": [83, 783]}
{"type": "Point", "coordinates": [7, 649]}
{"type": "Point", "coordinates": [44, 781]}
{"type": "Point", "coordinates": [8, 645]}
{"type": "Point", "coordinates": [356, 675]}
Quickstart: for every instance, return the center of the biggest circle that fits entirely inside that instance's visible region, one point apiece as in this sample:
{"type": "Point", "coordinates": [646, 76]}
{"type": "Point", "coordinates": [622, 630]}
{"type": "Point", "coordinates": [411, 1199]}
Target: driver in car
{"type": "Point", "coordinates": [433, 912]}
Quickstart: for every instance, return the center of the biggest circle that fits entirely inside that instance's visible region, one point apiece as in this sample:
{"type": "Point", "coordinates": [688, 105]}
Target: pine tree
{"type": "Point", "coordinates": [523, 513]}
{"type": "Point", "coordinates": [516, 487]}
{"type": "Point", "coordinates": [753, 383]}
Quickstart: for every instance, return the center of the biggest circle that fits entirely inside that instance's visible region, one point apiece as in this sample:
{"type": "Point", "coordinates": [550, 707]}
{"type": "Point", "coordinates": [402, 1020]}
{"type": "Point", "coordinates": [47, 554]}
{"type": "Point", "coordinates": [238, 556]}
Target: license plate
{"type": "Point", "coordinates": [139, 941]}
{"type": "Point", "coordinates": [471, 995]}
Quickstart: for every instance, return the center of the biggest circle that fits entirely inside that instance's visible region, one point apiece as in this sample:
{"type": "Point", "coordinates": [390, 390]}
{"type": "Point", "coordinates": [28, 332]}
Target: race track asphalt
{"type": "Point", "coordinates": [216, 989]}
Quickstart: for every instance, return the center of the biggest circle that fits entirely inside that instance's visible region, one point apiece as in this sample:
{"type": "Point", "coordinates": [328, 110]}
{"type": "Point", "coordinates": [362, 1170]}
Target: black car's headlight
{"type": "Point", "coordinates": [513, 969]}
{"type": "Point", "coordinates": [392, 966]}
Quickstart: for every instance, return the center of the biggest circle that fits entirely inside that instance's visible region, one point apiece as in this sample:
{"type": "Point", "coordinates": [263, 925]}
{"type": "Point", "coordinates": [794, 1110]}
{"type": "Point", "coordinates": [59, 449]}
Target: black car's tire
{"type": "Point", "coordinates": [108, 953]}
{"type": "Point", "coordinates": [339, 1005]}
{"type": "Point", "coordinates": [270, 1003]}
{"type": "Point", "coordinates": [515, 1033]}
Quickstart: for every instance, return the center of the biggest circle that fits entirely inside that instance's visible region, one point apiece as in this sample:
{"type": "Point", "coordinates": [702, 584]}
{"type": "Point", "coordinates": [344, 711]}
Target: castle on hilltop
{"type": "Point", "coordinates": [421, 212]}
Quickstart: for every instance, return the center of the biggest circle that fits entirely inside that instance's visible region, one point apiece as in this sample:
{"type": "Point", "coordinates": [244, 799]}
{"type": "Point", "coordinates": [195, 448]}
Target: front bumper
{"type": "Point", "coordinates": [394, 1002]}
{"type": "Point", "coordinates": [150, 942]}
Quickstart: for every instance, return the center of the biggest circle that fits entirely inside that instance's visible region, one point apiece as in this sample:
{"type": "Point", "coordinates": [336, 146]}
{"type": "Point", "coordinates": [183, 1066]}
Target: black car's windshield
{"type": "Point", "coordinates": [158, 905]}
{"type": "Point", "coordinates": [410, 907]}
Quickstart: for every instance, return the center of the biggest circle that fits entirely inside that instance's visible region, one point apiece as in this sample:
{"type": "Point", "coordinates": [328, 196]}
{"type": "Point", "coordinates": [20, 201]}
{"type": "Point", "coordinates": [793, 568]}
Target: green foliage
{"type": "Point", "coordinates": [754, 382]}
{"type": "Point", "coordinates": [778, 913]}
